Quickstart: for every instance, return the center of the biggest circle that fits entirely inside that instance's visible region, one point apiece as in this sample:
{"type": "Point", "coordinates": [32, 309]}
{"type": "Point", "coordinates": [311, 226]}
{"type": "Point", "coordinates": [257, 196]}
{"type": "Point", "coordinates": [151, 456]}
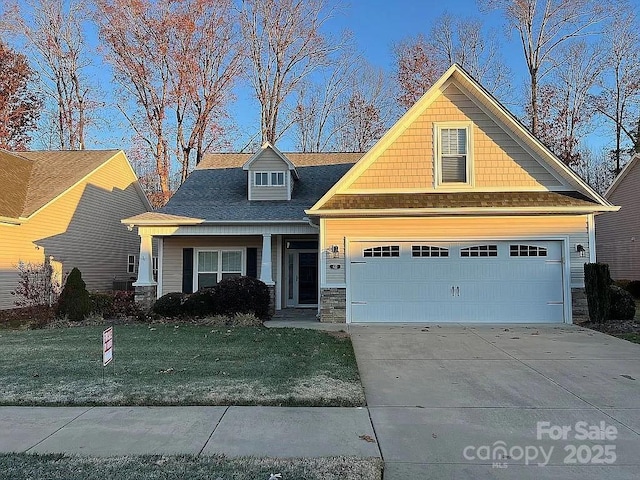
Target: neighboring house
{"type": "Point", "coordinates": [458, 214]}
{"type": "Point", "coordinates": [66, 207]}
{"type": "Point", "coordinates": [618, 234]}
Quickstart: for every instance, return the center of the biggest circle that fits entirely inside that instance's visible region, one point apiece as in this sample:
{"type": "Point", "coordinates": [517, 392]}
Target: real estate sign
{"type": "Point", "coordinates": [107, 346]}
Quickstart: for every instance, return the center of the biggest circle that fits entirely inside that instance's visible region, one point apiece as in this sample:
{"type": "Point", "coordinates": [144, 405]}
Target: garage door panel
{"type": "Point", "coordinates": [519, 282]}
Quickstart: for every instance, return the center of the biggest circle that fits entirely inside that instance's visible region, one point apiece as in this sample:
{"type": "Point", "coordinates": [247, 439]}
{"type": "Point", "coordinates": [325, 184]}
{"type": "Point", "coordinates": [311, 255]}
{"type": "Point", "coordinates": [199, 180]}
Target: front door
{"type": "Point", "coordinates": [308, 278]}
{"type": "Point", "coordinates": [302, 278]}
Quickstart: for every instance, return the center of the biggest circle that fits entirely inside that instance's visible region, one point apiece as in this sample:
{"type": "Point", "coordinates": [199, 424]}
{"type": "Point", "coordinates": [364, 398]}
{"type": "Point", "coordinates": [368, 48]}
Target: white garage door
{"type": "Point", "coordinates": [485, 281]}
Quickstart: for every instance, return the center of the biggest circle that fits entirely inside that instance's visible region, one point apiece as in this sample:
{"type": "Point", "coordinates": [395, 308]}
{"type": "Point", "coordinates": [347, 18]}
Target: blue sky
{"type": "Point", "coordinates": [376, 25]}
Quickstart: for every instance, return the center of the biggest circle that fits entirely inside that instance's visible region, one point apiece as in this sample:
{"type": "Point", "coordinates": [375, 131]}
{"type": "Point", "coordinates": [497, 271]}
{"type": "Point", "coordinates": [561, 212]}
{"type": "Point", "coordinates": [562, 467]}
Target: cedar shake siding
{"type": "Point", "coordinates": [79, 228]}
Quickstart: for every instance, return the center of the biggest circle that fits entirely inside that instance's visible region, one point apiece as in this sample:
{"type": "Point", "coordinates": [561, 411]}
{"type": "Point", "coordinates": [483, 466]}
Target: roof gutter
{"type": "Point", "coordinates": [11, 221]}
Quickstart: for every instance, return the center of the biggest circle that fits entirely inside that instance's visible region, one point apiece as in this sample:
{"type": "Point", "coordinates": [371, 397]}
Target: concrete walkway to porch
{"type": "Point", "coordinates": [302, 318]}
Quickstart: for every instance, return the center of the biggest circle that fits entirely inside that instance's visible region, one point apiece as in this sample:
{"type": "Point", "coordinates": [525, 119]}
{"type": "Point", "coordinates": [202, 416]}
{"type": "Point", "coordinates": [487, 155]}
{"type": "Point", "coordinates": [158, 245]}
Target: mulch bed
{"type": "Point", "coordinates": [614, 327]}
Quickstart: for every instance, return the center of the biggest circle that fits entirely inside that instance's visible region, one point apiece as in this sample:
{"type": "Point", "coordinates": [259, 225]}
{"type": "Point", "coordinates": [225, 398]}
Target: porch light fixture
{"type": "Point", "coordinates": [335, 251]}
{"type": "Point", "coordinates": [580, 249]}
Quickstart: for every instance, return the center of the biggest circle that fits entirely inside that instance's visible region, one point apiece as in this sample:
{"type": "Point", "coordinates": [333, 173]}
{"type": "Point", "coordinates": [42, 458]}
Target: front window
{"type": "Point", "coordinates": [216, 265]}
{"type": "Point", "coordinates": [131, 264]}
{"type": "Point", "coordinates": [277, 178]}
{"type": "Point", "coordinates": [262, 178]}
{"type": "Point", "coordinates": [453, 159]}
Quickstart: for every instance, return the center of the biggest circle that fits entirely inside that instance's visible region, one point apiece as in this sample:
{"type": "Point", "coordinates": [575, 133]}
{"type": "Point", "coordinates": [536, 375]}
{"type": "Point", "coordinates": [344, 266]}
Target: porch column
{"type": "Point", "coordinates": [265, 264]}
{"type": "Point", "coordinates": [145, 262]}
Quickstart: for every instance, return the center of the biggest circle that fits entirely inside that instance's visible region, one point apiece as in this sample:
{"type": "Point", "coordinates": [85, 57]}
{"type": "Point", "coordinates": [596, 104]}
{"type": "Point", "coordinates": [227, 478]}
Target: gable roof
{"type": "Point", "coordinates": [16, 172]}
{"type": "Point", "coordinates": [259, 153]}
{"type": "Point", "coordinates": [33, 179]}
{"type": "Point", "coordinates": [621, 176]}
{"type": "Point", "coordinates": [216, 191]}
{"type": "Point", "coordinates": [485, 101]}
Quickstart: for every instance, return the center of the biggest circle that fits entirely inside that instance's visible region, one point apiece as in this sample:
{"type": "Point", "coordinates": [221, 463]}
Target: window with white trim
{"type": "Point", "coordinates": [261, 178]}
{"type": "Point", "coordinates": [527, 251]}
{"type": "Point", "coordinates": [215, 265]}
{"type": "Point", "coordinates": [131, 264]}
{"type": "Point", "coordinates": [428, 251]}
{"type": "Point", "coordinates": [480, 251]}
{"type": "Point", "coordinates": [382, 251]}
{"type": "Point", "coordinates": [269, 179]}
{"type": "Point", "coordinates": [277, 179]}
{"type": "Point", "coordinates": [453, 158]}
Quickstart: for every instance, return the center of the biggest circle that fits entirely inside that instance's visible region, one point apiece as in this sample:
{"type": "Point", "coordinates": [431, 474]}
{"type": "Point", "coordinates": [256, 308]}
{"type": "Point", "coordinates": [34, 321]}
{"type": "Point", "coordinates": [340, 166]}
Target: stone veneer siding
{"type": "Point", "coordinates": [145, 297]}
{"type": "Point", "coordinates": [579, 307]}
{"type": "Point", "coordinates": [272, 300]}
{"type": "Point", "coordinates": [333, 305]}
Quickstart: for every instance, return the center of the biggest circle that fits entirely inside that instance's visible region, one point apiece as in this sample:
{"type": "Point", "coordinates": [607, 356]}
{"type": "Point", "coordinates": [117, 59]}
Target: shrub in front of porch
{"type": "Point", "coordinates": [232, 296]}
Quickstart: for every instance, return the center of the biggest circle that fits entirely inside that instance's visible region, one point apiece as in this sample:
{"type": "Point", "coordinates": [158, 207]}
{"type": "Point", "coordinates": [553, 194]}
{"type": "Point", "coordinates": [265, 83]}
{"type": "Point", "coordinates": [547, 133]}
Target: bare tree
{"type": "Point", "coordinates": [543, 26]}
{"type": "Point", "coordinates": [566, 104]}
{"type": "Point", "coordinates": [319, 104]}
{"type": "Point", "coordinates": [421, 60]}
{"type": "Point", "coordinates": [204, 62]}
{"type": "Point", "coordinates": [595, 169]}
{"type": "Point", "coordinates": [137, 34]}
{"type": "Point", "coordinates": [55, 36]}
{"type": "Point", "coordinates": [465, 42]}
{"type": "Point", "coordinates": [620, 96]}
{"type": "Point", "coordinates": [366, 111]}
{"type": "Point", "coordinates": [284, 45]}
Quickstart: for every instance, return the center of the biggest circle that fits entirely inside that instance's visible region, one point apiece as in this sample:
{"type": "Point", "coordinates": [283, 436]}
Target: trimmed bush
{"type": "Point", "coordinates": [633, 287]}
{"type": "Point", "coordinates": [74, 300]}
{"type": "Point", "coordinates": [596, 282]}
{"type": "Point", "coordinates": [170, 305]}
{"type": "Point", "coordinates": [622, 305]}
{"type": "Point", "coordinates": [101, 303]}
{"type": "Point", "coordinates": [241, 295]}
{"type": "Point", "coordinates": [201, 303]}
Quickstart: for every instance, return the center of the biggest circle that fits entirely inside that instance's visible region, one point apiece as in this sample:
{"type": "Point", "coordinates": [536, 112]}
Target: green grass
{"type": "Point", "coordinates": [54, 467]}
{"type": "Point", "coordinates": [178, 365]}
{"type": "Point", "coordinates": [632, 337]}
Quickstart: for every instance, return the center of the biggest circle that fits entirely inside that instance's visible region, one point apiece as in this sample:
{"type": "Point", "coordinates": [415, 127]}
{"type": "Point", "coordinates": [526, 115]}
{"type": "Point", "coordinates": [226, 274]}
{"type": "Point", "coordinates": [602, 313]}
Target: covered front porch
{"type": "Point", "coordinates": [284, 257]}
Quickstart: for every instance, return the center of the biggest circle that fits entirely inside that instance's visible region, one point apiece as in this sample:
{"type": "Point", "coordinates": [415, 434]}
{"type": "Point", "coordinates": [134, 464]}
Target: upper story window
{"type": "Point", "coordinates": [453, 163]}
{"type": "Point", "coordinates": [269, 179]}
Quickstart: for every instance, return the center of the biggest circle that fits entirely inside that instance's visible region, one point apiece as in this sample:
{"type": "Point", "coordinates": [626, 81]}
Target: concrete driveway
{"type": "Point", "coordinates": [446, 401]}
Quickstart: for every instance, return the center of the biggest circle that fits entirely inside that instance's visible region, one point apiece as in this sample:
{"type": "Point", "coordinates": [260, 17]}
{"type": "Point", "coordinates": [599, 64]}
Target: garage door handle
{"type": "Point", "coordinates": [458, 291]}
{"type": "Point", "coordinates": [453, 291]}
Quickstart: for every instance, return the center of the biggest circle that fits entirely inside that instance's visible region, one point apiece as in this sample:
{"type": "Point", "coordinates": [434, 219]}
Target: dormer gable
{"type": "Point", "coordinates": [270, 175]}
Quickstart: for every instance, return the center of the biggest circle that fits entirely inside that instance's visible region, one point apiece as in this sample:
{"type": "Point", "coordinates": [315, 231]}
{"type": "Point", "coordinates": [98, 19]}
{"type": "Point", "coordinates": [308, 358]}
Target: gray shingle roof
{"type": "Point", "coordinates": [220, 194]}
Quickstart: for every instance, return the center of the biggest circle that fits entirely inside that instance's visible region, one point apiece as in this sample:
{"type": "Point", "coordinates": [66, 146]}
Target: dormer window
{"type": "Point", "coordinates": [277, 179]}
{"type": "Point", "coordinates": [453, 158]}
{"type": "Point", "coordinates": [269, 179]}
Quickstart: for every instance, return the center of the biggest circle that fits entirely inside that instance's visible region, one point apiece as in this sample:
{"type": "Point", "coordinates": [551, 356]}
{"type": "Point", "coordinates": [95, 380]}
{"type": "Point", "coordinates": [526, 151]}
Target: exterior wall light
{"type": "Point", "coordinates": [580, 249]}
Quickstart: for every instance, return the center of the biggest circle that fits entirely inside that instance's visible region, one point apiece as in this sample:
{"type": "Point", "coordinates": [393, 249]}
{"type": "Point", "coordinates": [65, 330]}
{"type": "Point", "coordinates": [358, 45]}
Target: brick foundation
{"type": "Point", "coordinates": [145, 296]}
{"type": "Point", "coordinates": [579, 307]}
{"type": "Point", "coordinates": [333, 305]}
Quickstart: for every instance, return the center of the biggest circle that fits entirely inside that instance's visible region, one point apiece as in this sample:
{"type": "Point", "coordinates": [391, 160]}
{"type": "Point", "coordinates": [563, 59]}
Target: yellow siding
{"type": "Point", "coordinates": [172, 255]}
{"type": "Point", "coordinates": [498, 159]}
{"type": "Point", "coordinates": [455, 228]}
{"type": "Point", "coordinates": [80, 229]}
{"type": "Point", "coordinates": [618, 233]}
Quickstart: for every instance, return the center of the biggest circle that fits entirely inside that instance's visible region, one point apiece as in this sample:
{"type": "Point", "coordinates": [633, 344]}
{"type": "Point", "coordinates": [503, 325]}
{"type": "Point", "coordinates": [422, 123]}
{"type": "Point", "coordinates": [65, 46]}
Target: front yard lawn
{"type": "Point", "coordinates": [178, 365]}
{"type": "Point", "coordinates": [53, 467]}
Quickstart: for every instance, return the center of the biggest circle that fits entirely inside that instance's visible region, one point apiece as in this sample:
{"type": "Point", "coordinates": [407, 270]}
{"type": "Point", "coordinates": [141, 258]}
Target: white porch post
{"type": "Point", "coordinates": [145, 263]}
{"type": "Point", "coordinates": [265, 264]}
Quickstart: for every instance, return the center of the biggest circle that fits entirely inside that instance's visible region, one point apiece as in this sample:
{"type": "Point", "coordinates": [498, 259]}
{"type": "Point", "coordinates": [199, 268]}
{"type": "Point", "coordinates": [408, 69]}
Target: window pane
{"type": "Point", "coordinates": [231, 261]}
{"type": "Point", "coordinates": [454, 169]}
{"type": "Point", "coordinates": [207, 261]}
{"type": "Point", "coordinates": [277, 178]}
{"type": "Point", "coordinates": [207, 280]}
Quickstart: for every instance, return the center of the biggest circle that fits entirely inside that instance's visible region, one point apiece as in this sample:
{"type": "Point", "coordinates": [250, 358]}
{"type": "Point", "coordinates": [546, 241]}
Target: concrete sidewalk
{"type": "Point", "coordinates": [232, 431]}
